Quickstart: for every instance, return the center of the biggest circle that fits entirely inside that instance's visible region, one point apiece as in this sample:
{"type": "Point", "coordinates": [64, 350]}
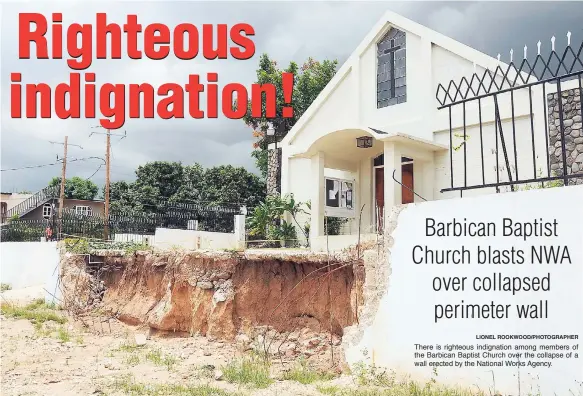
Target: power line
{"type": "Point", "coordinates": [54, 163]}
{"type": "Point", "coordinates": [94, 173]}
{"type": "Point", "coordinates": [68, 144]}
{"type": "Point", "coordinates": [30, 167]}
{"type": "Point", "coordinates": [108, 135]}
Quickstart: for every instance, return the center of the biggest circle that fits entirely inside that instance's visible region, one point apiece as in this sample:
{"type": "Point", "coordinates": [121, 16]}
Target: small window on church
{"type": "Point", "coordinates": [391, 67]}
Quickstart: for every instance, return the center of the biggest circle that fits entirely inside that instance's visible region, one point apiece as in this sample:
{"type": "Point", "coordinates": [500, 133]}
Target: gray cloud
{"type": "Point", "coordinates": [285, 30]}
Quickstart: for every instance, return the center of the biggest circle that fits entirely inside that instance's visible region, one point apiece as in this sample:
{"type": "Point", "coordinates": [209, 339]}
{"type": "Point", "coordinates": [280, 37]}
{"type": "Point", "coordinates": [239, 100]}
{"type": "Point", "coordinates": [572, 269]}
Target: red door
{"type": "Point", "coordinates": [407, 180]}
{"type": "Point", "coordinates": [379, 197]}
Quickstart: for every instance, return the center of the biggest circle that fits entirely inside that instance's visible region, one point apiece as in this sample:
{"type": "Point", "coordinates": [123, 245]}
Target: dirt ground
{"type": "Point", "coordinates": [103, 359]}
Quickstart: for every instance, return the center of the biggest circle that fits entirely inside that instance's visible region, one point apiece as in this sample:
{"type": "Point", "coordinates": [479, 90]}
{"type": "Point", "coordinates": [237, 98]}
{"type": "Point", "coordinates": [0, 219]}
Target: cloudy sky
{"type": "Point", "coordinates": [285, 30]}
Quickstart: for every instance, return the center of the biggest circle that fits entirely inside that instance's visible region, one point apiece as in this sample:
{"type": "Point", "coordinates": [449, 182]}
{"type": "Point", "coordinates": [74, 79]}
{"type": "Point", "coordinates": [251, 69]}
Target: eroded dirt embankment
{"type": "Point", "coordinates": [223, 294]}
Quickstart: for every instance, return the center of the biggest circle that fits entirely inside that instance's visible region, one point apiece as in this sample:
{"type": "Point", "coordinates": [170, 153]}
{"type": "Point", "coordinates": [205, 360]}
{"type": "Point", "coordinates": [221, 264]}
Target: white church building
{"type": "Point", "coordinates": [376, 137]}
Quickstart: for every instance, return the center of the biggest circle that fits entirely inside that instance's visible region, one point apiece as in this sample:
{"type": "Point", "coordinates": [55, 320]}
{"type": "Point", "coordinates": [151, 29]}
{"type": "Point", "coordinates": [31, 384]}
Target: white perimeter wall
{"type": "Point", "coordinates": [406, 312]}
{"type": "Point", "coordinates": [137, 238]}
{"type": "Point", "coordinates": [30, 264]}
{"type": "Point", "coordinates": [166, 238]}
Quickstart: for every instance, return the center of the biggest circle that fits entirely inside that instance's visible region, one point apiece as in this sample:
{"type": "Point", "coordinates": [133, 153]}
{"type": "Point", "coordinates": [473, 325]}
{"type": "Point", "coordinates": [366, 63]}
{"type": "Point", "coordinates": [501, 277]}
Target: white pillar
{"type": "Point", "coordinates": [318, 199]}
{"type": "Point", "coordinates": [284, 184]}
{"type": "Point", "coordinates": [393, 194]}
{"type": "Point", "coordinates": [428, 179]}
{"type": "Point", "coordinates": [240, 231]}
{"type": "Point", "coordinates": [365, 183]}
{"type": "Point", "coordinates": [426, 90]}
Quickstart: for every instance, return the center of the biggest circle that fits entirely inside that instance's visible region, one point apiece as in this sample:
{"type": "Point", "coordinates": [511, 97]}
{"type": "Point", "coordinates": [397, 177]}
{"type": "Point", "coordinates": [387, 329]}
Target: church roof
{"type": "Point", "coordinates": [391, 19]}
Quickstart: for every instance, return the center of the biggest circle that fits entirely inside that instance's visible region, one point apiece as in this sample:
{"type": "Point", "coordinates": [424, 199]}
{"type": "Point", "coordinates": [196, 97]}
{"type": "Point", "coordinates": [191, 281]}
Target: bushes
{"type": "Point", "coordinates": [84, 246]}
{"type": "Point", "coordinates": [23, 230]}
{"type": "Point", "coordinates": [252, 371]}
{"type": "Point", "coordinates": [267, 220]}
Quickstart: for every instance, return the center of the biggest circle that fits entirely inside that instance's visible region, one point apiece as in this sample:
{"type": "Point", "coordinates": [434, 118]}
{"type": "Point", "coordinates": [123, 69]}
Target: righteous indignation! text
{"type": "Point", "coordinates": [82, 96]}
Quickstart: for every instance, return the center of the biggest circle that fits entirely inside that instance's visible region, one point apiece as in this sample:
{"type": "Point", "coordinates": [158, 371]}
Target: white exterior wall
{"type": "Point", "coordinates": [337, 243]}
{"type": "Point", "coordinates": [137, 238]}
{"type": "Point", "coordinates": [405, 315]}
{"type": "Point", "coordinates": [448, 66]}
{"type": "Point", "coordinates": [15, 199]}
{"type": "Point", "coordinates": [335, 113]}
{"type": "Point", "coordinates": [405, 117]}
{"type": "Point", "coordinates": [341, 111]}
{"type": "Point", "coordinates": [30, 264]}
{"type": "Point", "coordinates": [166, 238]}
{"type": "Point", "coordinates": [349, 103]}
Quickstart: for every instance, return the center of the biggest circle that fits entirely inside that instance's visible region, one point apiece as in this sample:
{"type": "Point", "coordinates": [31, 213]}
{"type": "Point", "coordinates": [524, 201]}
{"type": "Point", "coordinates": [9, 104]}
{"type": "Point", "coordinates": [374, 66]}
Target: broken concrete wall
{"type": "Point", "coordinates": [226, 295]}
{"type": "Point", "coordinates": [401, 303]}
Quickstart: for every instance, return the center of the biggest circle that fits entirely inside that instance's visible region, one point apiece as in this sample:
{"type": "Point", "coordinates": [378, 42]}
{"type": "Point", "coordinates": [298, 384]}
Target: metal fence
{"type": "Point", "coordinates": [23, 230]}
{"type": "Point", "coordinates": [177, 216]}
{"type": "Point", "coordinates": [544, 148]}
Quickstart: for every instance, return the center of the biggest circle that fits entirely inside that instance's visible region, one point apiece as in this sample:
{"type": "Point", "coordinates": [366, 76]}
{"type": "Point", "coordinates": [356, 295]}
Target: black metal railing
{"type": "Point", "coordinates": [33, 201]}
{"type": "Point", "coordinates": [194, 217]}
{"type": "Point", "coordinates": [23, 230]}
{"type": "Point", "coordinates": [523, 112]}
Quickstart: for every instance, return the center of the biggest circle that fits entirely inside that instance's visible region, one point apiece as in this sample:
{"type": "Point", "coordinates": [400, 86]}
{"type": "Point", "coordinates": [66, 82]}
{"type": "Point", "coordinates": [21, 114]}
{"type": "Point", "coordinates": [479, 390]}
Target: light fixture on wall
{"type": "Point", "coordinates": [272, 132]}
{"type": "Point", "coordinates": [364, 142]}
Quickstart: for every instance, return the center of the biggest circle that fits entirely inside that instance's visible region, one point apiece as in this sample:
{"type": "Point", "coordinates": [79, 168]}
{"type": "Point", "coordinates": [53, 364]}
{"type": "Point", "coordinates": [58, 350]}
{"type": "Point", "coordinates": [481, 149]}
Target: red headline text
{"type": "Point", "coordinates": [83, 96]}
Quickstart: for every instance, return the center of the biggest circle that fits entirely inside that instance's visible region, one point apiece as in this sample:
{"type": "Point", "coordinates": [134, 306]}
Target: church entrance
{"type": "Point", "coordinates": [407, 187]}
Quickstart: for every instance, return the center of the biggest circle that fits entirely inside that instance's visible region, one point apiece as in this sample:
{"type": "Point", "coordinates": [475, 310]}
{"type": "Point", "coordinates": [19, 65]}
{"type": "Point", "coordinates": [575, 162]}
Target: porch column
{"type": "Point", "coordinates": [393, 194]}
{"type": "Point", "coordinates": [318, 202]}
{"type": "Point", "coordinates": [365, 183]}
{"type": "Point", "coordinates": [284, 183]}
{"type": "Point", "coordinates": [428, 178]}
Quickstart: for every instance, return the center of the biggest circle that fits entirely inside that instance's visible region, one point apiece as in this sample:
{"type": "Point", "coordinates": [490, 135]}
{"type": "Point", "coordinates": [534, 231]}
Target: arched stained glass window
{"type": "Point", "coordinates": [391, 69]}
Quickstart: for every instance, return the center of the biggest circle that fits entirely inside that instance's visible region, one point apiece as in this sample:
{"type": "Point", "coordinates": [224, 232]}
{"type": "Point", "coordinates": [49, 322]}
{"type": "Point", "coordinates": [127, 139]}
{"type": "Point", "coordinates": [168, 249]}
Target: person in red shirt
{"type": "Point", "coordinates": [49, 233]}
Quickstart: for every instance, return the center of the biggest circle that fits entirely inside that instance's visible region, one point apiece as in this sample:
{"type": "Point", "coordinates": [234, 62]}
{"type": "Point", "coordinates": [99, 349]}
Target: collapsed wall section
{"type": "Point", "coordinates": [224, 294]}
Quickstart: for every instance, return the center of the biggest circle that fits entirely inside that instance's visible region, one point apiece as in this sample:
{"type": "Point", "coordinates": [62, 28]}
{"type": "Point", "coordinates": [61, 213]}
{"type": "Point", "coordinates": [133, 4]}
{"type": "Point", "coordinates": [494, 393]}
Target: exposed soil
{"type": "Point", "coordinates": [194, 312]}
{"type": "Point", "coordinates": [99, 357]}
{"type": "Point", "coordinates": [219, 295]}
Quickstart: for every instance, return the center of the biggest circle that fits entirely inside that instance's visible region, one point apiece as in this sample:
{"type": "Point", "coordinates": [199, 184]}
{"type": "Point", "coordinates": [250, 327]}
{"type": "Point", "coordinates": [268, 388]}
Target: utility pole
{"type": "Point", "coordinates": [62, 194]}
{"type": "Point", "coordinates": [107, 163]}
{"type": "Point", "coordinates": [66, 145]}
{"type": "Point", "coordinates": [108, 135]}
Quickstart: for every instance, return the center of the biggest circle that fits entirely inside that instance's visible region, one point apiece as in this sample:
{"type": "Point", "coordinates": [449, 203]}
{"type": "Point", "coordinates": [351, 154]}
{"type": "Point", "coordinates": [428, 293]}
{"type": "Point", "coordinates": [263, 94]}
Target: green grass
{"type": "Point", "coordinates": [304, 374]}
{"type": "Point", "coordinates": [204, 372]}
{"type": "Point", "coordinates": [42, 331]}
{"type": "Point", "coordinates": [136, 356]}
{"type": "Point", "coordinates": [127, 386]}
{"type": "Point", "coordinates": [159, 359]}
{"type": "Point", "coordinates": [63, 335]}
{"type": "Point", "coordinates": [370, 375]}
{"type": "Point", "coordinates": [328, 389]}
{"type": "Point", "coordinates": [400, 389]}
{"type": "Point", "coordinates": [132, 360]}
{"type": "Point", "coordinates": [5, 286]}
{"type": "Point", "coordinates": [251, 371]}
{"type": "Point", "coordinates": [126, 347]}
{"type": "Point", "coordinates": [374, 381]}
{"type": "Point", "coordinates": [37, 312]}
{"type": "Point", "coordinates": [60, 333]}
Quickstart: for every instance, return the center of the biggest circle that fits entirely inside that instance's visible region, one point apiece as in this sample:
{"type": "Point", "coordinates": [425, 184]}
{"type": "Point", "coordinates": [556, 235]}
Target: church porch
{"type": "Point", "coordinates": [356, 176]}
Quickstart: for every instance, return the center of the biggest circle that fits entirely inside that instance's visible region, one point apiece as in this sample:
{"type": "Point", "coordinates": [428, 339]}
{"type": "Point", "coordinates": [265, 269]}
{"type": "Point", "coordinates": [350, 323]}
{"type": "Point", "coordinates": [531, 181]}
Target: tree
{"type": "Point", "coordinates": [165, 177]}
{"type": "Point", "coordinates": [131, 199]}
{"type": "Point", "coordinates": [190, 189]}
{"type": "Point", "coordinates": [227, 184]}
{"type": "Point", "coordinates": [77, 187]}
{"type": "Point", "coordinates": [309, 81]}
{"type": "Point", "coordinates": [158, 183]}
